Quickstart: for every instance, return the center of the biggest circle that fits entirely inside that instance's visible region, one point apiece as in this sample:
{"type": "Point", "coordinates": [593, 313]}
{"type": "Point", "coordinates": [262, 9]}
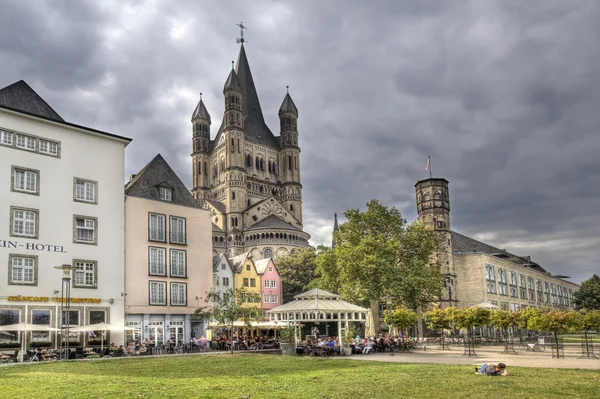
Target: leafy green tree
{"type": "Point", "coordinates": [438, 319]}
{"type": "Point", "coordinates": [230, 307]}
{"type": "Point", "coordinates": [297, 270]}
{"type": "Point", "coordinates": [556, 322]}
{"type": "Point", "coordinates": [377, 255]}
{"type": "Point", "coordinates": [587, 320]}
{"type": "Point", "coordinates": [468, 319]}
{"type": "Point", "coordinates": [401, 318]}
{"type": "Point", "coordinates": [588, 296]}
{"type": "Point", "coordinates": [505, 319]}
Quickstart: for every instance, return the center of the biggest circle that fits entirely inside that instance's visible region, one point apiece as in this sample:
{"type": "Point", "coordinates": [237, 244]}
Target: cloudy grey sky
{"type": "Point", "coordinates": [503, 95]}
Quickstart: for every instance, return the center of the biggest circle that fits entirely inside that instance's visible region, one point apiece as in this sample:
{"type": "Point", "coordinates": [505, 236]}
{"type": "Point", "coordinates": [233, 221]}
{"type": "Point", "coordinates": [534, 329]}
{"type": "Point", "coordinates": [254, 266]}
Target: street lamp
{"type": "Point", "coordinates": [65, 305]}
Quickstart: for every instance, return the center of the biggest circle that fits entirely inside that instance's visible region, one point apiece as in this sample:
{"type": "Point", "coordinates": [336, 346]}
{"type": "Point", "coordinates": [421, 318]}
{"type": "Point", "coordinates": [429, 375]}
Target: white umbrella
{"type": "Point", "coordinates": [485, 305]}
{"type": "Point", "coordinates": [102, 327]}
{"type": "Point", "coordinates": [26, 327]}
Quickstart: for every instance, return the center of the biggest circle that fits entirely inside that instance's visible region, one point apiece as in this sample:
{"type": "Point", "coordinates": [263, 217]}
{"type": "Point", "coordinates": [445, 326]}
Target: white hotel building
{"type": "Point", "coordinates": [61, 202]}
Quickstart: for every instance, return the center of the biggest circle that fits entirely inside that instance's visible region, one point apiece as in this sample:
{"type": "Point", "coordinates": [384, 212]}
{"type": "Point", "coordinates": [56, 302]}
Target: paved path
{"type": "Point", "coordinates": [491, 355]}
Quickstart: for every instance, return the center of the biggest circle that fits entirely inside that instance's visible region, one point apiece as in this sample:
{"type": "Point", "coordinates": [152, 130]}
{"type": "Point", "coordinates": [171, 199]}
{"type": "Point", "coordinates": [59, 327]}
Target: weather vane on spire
{"type": "Point", "coordinates": [241, 38]}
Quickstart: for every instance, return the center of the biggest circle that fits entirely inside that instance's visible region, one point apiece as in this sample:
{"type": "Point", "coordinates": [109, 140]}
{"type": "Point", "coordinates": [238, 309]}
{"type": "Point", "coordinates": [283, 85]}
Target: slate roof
{"type": "Point", "coordinates": [273, 222]}
{"type": "Point", "coordinates": [201, 112]}
{"type": "Point", "coordinates": [219, 206]}
{"type": "Point", "coordinates": [237, 262]}
{"type": "Point", "coordinates": [255, 127]}
{"type": "Point", "coordinates": [464, 244]}
{"type": "Point", "coordinates": [158, 173]}
{"type": "Point", "coordinates": [217, 262]}
{"type": "Point", "coordinates": [232, 82]}
{"type": "Point", "coordinates": [288, 105]}
{"type": "Point", "coordinates": [21, 97]}
{"type": "Point", "coordinates": [261, 265]}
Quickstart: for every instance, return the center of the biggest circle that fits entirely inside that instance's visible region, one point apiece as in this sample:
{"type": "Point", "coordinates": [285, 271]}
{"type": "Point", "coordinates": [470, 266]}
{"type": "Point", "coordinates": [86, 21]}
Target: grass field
{"type": "Point", "coordinates": [269, 376]}
{"type": "Point", "coordinates": [577, 338]}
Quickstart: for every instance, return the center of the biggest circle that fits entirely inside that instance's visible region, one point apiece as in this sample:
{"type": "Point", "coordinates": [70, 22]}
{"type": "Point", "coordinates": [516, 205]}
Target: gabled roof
{"type": "Point", "coordinates": [273, 222]}
{"type": "Point", "coordinates": [261, 265]}
{"type": "Point", "coordinates": [237, 262]}
{"type": "Point", "coordinates": [157, 173]}
{"type": "Point", "coordinates": [232, 81]}
{"type": "Point", "coordinates": [218, 260]}
{"type": "Point", "coordinates": [21, 97]}
{"type": "Point", "coordinates": [317, 300]}
{"type": "Point", "coordinates": [463, 244]}
{"type": "Point", "coordinates": [316, 293]}
{"type": "Point", "coordinates": [219, 206]}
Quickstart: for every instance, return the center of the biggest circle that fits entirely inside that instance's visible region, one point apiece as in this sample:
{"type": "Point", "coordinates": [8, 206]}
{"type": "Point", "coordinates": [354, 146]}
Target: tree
{"type": "Point", "coordinates": [468, 319]}
{"type": "Point", "coordinates": [401, 318]}
{"type": "Point", "coordinates": [377, 255]}
{"type": "Point", "coordinates": [438, 319]}
{"type": "Point", "coordinates": [588, 296]}
{"type": "Point", "coordinates": [556, 322]}
{"type": "Point", "coordinates": [231, 307]}
{"type": "Point", "coordinates": [297, 270]}
{"type": "Point", "coordinates": [505, 319]}
{"type": "Point", "coordinates": [587, 320]}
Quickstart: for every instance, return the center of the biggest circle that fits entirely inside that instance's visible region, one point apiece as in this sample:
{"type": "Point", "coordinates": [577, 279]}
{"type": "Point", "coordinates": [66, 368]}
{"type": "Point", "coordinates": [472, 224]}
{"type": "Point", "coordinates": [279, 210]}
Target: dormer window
{"type": "Point", "coordinates": [166, 194]}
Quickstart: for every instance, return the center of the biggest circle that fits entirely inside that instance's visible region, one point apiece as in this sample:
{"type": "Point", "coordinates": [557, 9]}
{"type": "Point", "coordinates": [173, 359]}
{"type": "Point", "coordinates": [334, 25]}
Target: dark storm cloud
{"type": "Point", "coordinates": [502, 95]}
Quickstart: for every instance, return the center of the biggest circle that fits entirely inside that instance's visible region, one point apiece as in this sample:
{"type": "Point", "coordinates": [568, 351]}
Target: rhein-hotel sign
{"type": "Point", "coordinates": [32, 246]}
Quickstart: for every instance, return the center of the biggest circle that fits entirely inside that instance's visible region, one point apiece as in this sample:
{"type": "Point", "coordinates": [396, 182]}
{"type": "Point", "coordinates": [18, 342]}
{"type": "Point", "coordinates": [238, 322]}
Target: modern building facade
{"type": "Point", "coordinates": [61, 203]}
{"type": "Point", "coordinates": [476, 272]}
{"type": "Point", "coordinates": [169, 262]}
{"type": "Point", "coordinates": [246, 176]}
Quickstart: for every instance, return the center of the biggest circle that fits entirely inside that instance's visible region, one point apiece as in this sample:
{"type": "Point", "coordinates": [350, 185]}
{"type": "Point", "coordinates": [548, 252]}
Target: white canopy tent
{"type": "Point", "coordinates": [101, 327]}
{"type": "Point", "coordinates": [485, 305]}
{"type": "Point", "coordinates": [316, 306]}
{"type": "Point", "coordinates": [25, 328]}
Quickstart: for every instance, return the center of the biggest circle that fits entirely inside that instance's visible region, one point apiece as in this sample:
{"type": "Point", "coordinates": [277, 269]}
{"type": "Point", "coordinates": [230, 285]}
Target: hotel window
{"type": "Point", "coordinates": [48, 147]}
{"type": "Point", "coordinates": [86, 230]}
{"type": "Point", "coordinates": [24, 222]}
{"type": "Point", "coordinates": [166, 194]}
{"type": "Point", "coordinates": [273, 298]}
{"type": "Point", "coordinates": [178, 263]}
{"type": "Point", "coordinates": [553, 292]}
{"type": "Point", "coordinates": [25, 142]}
{"type": "Point", "coordinates": [7, 317]}
{"type": "Point", "coordinates": [85, 190]}
{"type": "Point", "coordinates": [491, 279]}
{"type": "Point", "coordinates": [178, 294]}
{"type": "Point", "coordinates": [85, 274]}
{"type": "Point", "coordinates": [156, 227]}
{"type": "Point", "coordinates": [513, 285]}
{"type": "Point", "coordinates": [22, 270]}
{"type": "Point", "coordinates": [156, 261]}
{"type": "Point", "coordinates": [531, 288]}
{"type": "Point", "coordinates": [44, 317]}
{"type": "Point", "coordinates": [177, 230]}
{"type": "Point", "coordinates": [158, 293]}
{"type": "Point", "coordinates": [25, 180]}
{"type": "Point", "coordinates": [522, 286]}
{"type": "Point", "coordinates": [252, 282]}
{"type": "Point", "coordinates": [273, 284]}
{"type": "Point", "coordinates": [245, 282]}
{"type": "Point", "coordinates": [6, 138]}
{"type": "Point", "coordinates": [491, 287]}
{"type": "Point", "coordinates": [71, 318]}
{"type": "Point", "coordinates": [538, 287]}
{"type": "Point", "coordinates": [133, 335]}
{"type": "Point", "coordinates": [267, 298]}
{"type": "Point", "coordinates": [547, 291]}
{"type": "Point", "coordinates": [267, 285]}
{"type": "Point", "coordinates": [226, 281]}
{"type": "Point", "coordinates": [503, 288]}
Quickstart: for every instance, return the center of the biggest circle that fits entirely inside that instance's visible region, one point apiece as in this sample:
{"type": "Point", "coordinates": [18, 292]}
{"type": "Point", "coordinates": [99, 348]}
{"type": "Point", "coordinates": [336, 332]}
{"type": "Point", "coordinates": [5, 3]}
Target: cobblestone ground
{"type": "Point", "coordinates": [489, 354]}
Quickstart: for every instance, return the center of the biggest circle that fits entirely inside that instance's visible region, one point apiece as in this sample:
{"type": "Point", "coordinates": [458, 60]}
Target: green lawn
{"type": "Point", "coordinates": [270, 376]}
{"type": "Point", "coordinates": [577, 338]}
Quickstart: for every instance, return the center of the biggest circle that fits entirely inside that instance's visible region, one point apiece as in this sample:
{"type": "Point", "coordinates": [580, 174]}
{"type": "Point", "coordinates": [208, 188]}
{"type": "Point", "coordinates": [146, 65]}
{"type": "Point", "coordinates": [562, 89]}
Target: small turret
{"type": "Point", "coordinates": [201, 147]}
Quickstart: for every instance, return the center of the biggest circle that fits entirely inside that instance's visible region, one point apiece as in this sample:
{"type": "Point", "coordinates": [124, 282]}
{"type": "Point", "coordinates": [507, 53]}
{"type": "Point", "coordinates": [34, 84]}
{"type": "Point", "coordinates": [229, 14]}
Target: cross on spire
{"type": "Point", "coordinates": [241, 38]}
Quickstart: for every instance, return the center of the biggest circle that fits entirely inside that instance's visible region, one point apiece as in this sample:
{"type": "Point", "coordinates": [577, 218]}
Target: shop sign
{"type": "Point", "coordinates": [32, 246]}
{"type": "Point", "coordinates": [21, 298]}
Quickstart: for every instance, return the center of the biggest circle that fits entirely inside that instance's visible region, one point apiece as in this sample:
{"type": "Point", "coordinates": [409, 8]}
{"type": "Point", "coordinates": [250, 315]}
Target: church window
{"type": "Point", "coordinates": [257, 163]}
{"type": "Point", "coordinates": [296, 163]}
{"type": "Point", "coordinates": [437, 195]}
{"type": "Point", "coordinates": [205, 170]}
{"type": "Point", "coordinates": [426, 197]}
{"type": "Point", "coordinates": [254, 218]}
{"type": "Point", "coordinates": [248, 202]}
{"type": "Point", "coordinates": [292, 208]}
{"type": "Point", "coordinates": [238, 120]}
{"type": "Point", "coordinates": [289, 162]}
{"type": "Point", "coordinates": [232, 145]}
{"type": "Point", "coordinates": [233, 195]}
{"type": "Point", "coordinates": [268, 253]}
{"type": "Point", "coordinates": [239, 151]}
{"type": "Point", "coordinates": [262, 165]}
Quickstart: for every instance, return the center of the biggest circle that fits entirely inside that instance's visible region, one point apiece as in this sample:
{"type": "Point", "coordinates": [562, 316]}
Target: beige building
{"type": "Point", "coordinates": [246, 176]}
{"type": "Point", "coordinates": [168, 256]}
{"type": "Point", "coordinates": [476, 272]}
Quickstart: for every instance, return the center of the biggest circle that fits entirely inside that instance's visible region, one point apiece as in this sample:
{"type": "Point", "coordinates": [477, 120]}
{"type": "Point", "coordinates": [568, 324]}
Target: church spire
{"type": "Point", "coordinates": [201, 112]}
{"type": "Point", "coordinates": [335, 228]}
{"type": "Point", "coordinates": [288, 104]}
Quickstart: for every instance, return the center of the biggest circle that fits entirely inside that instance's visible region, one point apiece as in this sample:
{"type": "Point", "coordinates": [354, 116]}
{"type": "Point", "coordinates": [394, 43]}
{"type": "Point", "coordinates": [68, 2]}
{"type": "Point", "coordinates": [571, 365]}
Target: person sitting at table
{"type": "Point", "coordinates": [112, 346]}
{"type": "Point", "coordinates": [143, 349]}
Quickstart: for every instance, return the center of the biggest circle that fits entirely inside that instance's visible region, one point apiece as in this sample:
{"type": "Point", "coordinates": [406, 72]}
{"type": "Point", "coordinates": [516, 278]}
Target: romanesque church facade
{"type": "Point", "coordinates": [246, 176]}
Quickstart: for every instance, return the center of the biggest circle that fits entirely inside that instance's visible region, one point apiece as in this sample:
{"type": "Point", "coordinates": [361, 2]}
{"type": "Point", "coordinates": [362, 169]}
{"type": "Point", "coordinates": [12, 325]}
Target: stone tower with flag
{"type": "Point", "coordinates": [248, 177]}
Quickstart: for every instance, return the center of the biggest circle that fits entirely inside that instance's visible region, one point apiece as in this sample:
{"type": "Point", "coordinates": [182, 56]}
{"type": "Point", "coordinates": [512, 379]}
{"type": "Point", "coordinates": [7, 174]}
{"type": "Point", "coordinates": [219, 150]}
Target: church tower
{"type": "Point", "coordinates": [201, 150]}
{"type": "Point", "coordinates": [433, 209]}
{"type": "Point", "coordinates": [290, 157]}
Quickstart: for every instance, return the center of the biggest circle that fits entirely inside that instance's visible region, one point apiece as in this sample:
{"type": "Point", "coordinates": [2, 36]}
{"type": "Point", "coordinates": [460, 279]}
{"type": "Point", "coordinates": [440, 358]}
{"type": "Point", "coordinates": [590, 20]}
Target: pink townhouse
{"type": "Point", "coordinates": [270, 283]}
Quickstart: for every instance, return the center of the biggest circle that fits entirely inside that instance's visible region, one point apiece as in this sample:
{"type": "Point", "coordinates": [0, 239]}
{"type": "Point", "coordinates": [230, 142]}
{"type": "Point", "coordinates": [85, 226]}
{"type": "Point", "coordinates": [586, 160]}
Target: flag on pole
{"type": "Point", "coordinates": [428, 163]}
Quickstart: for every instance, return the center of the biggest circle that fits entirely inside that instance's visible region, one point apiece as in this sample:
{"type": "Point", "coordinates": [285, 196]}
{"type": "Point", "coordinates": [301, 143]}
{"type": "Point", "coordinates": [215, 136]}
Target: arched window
{"type": "Point", "coordinates": [262, 165]}
{"type": "Point", "coordinates": [268, 253]}
{"type": "Point", "coordinates": [257, 163]}
{"type": "Point", "coordinates": [232, 145]}
{"type": "Point", "coordinates": [426, 197]}
{"type": "Point", "coordinates": [233, 195]}
{"type": "Point", "coordinates": [437, 195]}
{"type": "Point", "coordinates": [292, 208]}
{"type": "Point", "coordinates": [289, 162]}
